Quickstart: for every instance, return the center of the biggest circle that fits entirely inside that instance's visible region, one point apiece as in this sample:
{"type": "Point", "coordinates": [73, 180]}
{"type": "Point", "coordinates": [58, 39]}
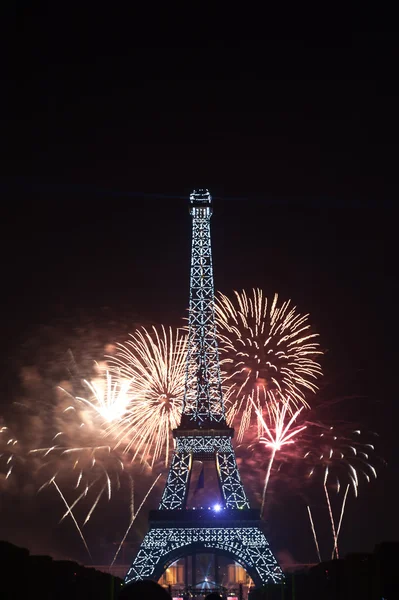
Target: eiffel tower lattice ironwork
{"type": "Point", "coordinates": [233, 530]}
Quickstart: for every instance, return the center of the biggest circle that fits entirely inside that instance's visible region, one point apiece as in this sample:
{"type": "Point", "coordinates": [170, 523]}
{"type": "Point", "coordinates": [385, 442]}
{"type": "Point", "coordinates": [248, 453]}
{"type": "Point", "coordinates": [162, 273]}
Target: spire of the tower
{"type": "Point", "coordinates": [203, 400]}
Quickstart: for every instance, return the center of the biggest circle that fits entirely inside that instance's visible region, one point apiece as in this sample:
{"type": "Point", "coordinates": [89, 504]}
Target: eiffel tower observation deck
{"type": "Point", "coordinates": [232, 528]}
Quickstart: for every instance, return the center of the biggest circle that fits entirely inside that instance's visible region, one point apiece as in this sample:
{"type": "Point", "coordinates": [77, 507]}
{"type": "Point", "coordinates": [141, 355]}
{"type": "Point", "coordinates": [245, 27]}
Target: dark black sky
{"type": "Point", "coordinates": [116, 117]}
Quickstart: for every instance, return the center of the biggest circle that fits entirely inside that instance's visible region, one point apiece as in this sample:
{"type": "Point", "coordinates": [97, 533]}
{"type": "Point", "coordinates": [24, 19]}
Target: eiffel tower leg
{"type": "Point", "coordinates": [230, 480]}
{"type": "Point", "coordinates": [177, 485]}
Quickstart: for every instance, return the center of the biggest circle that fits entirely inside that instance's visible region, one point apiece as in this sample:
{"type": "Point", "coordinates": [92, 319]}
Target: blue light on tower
{"type": "Point", "coordinates": [217, 507]}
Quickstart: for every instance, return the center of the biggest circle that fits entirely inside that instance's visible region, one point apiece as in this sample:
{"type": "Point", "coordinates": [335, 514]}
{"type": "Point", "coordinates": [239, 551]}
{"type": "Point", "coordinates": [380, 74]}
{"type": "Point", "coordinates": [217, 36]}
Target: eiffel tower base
{"type": "Point", "coordinates": [232, 533]}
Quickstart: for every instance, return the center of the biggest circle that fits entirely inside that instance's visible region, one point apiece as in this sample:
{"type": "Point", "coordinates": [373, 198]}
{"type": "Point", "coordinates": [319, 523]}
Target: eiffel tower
{"type": "Point", "coordinates": [232, 528]}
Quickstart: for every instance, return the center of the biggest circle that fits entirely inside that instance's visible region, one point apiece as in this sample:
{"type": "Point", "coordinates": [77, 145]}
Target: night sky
{"type": "Point", "coordinates": [295, 135]}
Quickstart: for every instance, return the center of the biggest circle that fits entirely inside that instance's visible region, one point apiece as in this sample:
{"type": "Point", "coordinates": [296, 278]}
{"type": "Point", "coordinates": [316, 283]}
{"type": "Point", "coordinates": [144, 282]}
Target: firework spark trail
{"type": "Point", "coordinates": [134, 518]}
{"type": "Point", "coordinates": [47, 483]}
{"type": "Point", "coordinates": [265, 347]}
{"type": "Point", "coordinates": [335, 550]}
{"type": "Point", "coordinates": [314, 534]}
{"type": "Point", "coordinates": [155, 362]}
{"type": "Point", "coordinates": [73, 518]}
{"type": "Point", "coordinates": [341, 515]}
{"type": "Point", "coordinates": [84, 493]}
{"type": "Point", "coordinates": [267, 477]}
{"type": "Point", "coordinates": [10, 451]}
{"type": "Point", "coordinates": [94, 505]}
{"type": "Point", "coordinates": [131, 497]}
{"type": "Point", "coordinates": [109, 488]}
{"type": "Point", "coordinates": [280, 435]}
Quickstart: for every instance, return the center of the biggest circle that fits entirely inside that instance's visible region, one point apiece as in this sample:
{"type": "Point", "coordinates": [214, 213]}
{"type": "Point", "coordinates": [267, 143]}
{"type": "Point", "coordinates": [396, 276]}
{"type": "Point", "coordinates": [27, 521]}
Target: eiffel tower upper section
{"type": "Point", "coordinates": [203, 406]}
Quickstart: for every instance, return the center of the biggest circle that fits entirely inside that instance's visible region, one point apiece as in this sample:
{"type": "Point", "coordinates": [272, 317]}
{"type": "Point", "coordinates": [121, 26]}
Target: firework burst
{"type": "Point", "coordinates": [338, 455]}
{"type": "Point", "coordinates": [82, 446]}
{"type": "Point", "coordinates": [155, 362]}
{"type": "Point", "coordinates": [265, 347]}
{"type": "Point", "coordinates": [67, 445]}
{"type": "Point", "coordinates": [280, 432]}
{"type": "Point", "coordinates": [110, 399]}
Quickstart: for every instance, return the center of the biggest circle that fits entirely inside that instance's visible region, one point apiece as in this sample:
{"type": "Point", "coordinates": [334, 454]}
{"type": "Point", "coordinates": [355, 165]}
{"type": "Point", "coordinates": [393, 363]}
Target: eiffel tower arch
{"type": "Point", "coordinates": [231, 528]}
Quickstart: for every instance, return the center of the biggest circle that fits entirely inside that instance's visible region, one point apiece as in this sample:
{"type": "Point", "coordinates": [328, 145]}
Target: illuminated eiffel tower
{"type": "Point", "coordinates": [231, 529]}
